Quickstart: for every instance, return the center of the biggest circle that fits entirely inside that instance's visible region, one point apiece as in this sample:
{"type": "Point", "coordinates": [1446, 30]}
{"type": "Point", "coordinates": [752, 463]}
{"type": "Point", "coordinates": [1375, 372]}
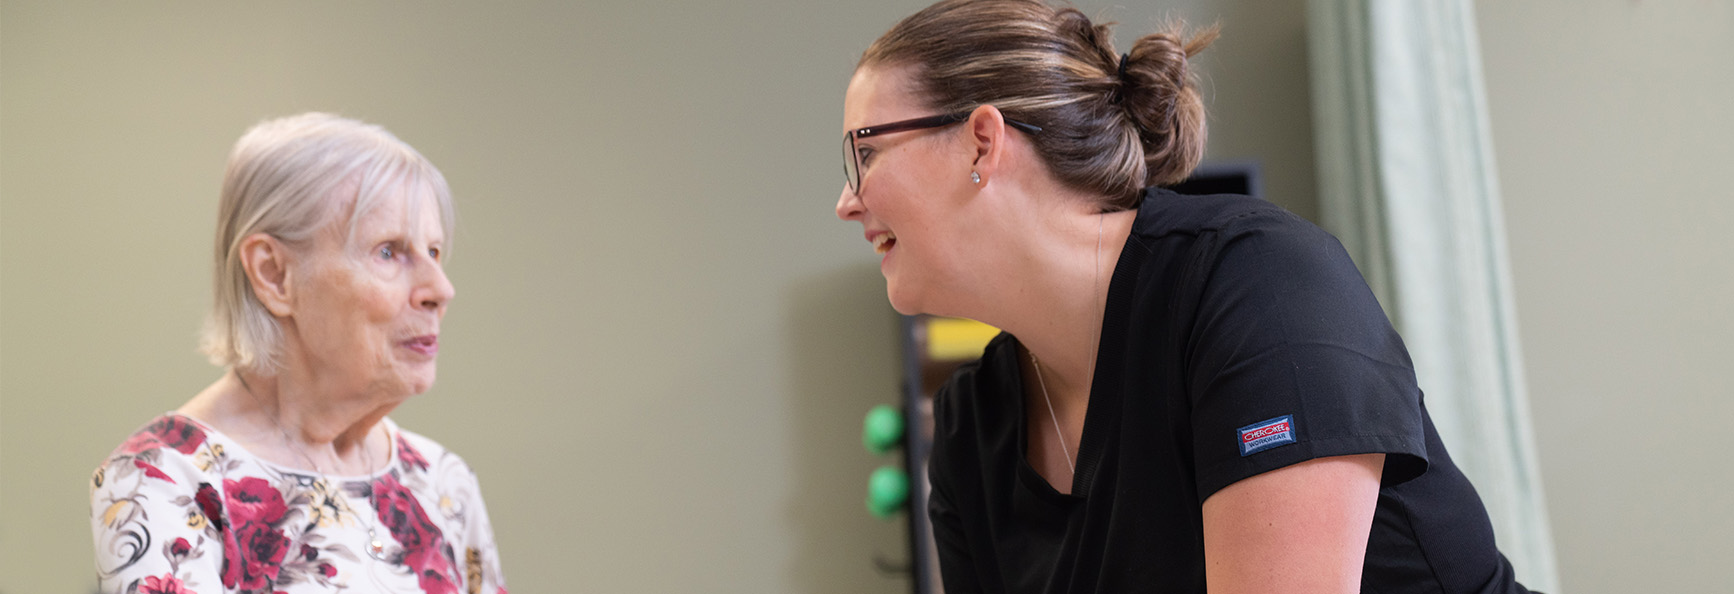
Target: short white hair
{"type": "Point", "coordinates": [287, 178]}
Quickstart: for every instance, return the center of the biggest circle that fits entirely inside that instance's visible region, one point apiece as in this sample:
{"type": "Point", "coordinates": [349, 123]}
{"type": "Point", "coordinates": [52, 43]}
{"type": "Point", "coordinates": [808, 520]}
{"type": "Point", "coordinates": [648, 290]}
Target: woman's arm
{"type": "Point", "coordinates": [1300, 529]}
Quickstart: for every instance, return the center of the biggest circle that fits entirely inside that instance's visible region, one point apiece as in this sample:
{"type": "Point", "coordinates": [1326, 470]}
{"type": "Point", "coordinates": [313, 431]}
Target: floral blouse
{"type": "Point", "coordinates": [182, 509]}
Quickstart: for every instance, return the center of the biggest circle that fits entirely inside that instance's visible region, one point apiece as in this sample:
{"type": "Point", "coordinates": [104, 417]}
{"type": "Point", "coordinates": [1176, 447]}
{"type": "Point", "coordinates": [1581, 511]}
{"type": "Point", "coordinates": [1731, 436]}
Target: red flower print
{"type": "Point", "coordinates": [232, 563]}
{"type": "Point", "coordinates": [168, 584]}
{"type": "Point", "coordinates": [151, 471]}
{"type": "Point", "coordinates": [180, 547]}
{"type": "Point", "coordinates": [252, 555]}
{"type": "Point", "coordinates": [403, 515]}
{"type": "Point", "coordinates": [167, 431]}
{"type": "Point", "coordinates": [425, 550]}
{"type": "Point", "coordinates": [309, 553]}
{"type": "Point", "coordinates": [327, 570]}
{"type": "Point", "coordinates": [210, 504]}
{"type": "Point", "coordinates": [432, 570]}
{"type": "Point", "coordinates": [253, 499]}
{"type": "Point", "coordinates": [410, 456]}
{"type": "Point", "coordinates": [253, 549]}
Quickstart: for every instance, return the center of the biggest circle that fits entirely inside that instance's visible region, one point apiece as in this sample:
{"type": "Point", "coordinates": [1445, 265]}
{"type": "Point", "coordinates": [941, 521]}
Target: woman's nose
{"type": "Point", "coordinates": [436, 289]}
{"type": "Point", "coordinates": [849, 205]}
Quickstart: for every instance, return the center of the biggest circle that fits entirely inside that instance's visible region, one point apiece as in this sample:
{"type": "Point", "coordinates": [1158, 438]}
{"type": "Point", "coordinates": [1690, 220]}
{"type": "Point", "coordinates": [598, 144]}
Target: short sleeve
{"type": "Point", "coordinates": [956, 564]}
{"type": "Point", "coordinates": [451, 488]}
{"type": "Point", "coordinates": [957, 567]}
{"type": "Point", "coordinates": [481, 554]}
{"type": "Point", "coordinates": [1290, 358]}
{"type": "Point", "coordinates": [148, 518]}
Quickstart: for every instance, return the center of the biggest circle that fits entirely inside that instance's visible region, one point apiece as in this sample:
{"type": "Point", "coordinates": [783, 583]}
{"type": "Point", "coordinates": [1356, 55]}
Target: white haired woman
{"type": "Point", "coordinates": [285, 475]}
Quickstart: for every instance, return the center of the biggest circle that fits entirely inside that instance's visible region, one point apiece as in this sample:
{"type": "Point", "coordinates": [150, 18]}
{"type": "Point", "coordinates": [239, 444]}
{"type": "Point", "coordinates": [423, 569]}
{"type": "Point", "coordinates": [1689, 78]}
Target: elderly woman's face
{"type": "Point", "coordinates": [369, 313]}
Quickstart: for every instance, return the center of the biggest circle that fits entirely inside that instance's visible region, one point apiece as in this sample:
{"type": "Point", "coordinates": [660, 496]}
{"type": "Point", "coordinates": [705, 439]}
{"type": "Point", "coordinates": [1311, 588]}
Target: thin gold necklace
{"type": "Point", "coordinates": [1071, 465]}
{"type": "Point", "coordinates": [1051, 416]}
{"type": "Point", "coordinates": [375, 546]}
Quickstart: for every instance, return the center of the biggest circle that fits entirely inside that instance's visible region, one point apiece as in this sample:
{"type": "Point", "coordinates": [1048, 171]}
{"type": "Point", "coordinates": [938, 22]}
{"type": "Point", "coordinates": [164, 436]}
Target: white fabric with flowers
{"type": "Point", "coordinates": [182, 509]}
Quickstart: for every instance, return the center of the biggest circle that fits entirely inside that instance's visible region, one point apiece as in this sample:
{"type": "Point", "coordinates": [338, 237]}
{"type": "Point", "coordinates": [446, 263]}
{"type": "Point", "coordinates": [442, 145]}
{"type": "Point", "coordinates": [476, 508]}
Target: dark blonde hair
{"type": "Point", "coordinates": [1106, 128]}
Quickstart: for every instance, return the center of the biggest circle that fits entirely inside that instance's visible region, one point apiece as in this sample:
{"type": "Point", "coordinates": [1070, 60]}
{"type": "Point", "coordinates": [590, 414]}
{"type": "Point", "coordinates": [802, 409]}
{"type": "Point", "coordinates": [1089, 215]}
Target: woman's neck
{"type": "Point", "coordinates": [1057, 281]}
{"type": "Point", "coordinates": [315, 414]}
{"type": "Point", "coordinates": [294, 422]}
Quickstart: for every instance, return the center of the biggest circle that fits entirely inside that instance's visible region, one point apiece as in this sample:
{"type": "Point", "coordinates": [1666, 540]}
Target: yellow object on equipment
{"type": "Point", "coordinates": [957, 339]}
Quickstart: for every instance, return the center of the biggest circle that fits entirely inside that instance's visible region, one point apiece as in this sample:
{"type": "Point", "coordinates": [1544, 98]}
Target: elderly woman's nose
{"type": "Point", "coordinates": [435, 289]}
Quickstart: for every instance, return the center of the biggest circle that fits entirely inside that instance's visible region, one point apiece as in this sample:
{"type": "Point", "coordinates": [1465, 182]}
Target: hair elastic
{"type": "Point", "coordinates": [1119, 91]}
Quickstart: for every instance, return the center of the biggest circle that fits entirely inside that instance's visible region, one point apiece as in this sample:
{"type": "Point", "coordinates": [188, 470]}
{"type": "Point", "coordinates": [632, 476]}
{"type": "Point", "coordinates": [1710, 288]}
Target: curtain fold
{"type": "Point", "coordinates": [1407, 183]}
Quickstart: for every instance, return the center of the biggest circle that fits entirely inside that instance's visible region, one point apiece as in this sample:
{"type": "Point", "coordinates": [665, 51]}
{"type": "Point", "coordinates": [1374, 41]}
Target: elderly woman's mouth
{"type": "Point", "coordinates": [428, 344]}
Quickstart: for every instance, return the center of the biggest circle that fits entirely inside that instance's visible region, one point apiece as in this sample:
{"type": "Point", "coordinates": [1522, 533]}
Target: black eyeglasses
{"type": "Point", "coordinates": [852, 158]}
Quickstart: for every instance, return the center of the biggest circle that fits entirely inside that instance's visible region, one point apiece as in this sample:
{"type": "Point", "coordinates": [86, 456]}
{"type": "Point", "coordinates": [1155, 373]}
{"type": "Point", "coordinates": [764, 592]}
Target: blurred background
{"type": "Point", "coordinates": [663, 340]}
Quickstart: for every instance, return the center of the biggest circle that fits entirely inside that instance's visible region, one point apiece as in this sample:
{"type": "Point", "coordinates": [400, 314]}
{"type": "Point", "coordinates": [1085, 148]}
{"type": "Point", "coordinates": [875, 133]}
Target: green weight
{"type": "Point", "coordinates": [887, 491]}
{"type": "Point", "coordinates": [882, 430]}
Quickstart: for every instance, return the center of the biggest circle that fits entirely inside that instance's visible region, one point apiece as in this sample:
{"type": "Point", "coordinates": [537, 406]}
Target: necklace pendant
{"type": "Point", "coordinates": [375, 547]}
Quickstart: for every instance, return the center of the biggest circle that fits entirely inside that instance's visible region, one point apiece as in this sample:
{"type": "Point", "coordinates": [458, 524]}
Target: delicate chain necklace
{"type": "Point", "coordinates": [375, 546]}
{"type": "Point", "coordinates": [1051, 416]}
{"type": "Point", "coordinates": [1073, 466]}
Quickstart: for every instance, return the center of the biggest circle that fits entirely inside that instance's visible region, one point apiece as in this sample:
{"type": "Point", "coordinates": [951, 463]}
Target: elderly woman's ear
{"type": "Point", "coordinates": [266, 261]}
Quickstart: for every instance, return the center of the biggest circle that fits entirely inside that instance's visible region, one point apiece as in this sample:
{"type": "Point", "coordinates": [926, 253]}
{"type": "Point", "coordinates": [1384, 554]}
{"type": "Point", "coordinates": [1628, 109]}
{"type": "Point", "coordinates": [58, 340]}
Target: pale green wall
{"type": "Point", "coordinates": [1614, 127]}
{"type": "Point", "coordinates": [663, 341]}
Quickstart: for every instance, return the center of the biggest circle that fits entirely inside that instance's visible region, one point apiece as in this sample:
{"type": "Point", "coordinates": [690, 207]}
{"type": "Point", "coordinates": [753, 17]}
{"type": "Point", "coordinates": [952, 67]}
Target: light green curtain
{"type": "Point", "coordinates": [1407, 182]}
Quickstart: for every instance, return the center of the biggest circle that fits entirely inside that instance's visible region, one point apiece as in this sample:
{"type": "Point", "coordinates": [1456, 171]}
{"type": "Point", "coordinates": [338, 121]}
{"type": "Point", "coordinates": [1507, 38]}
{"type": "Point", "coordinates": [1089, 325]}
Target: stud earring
{"type": "Point", "coordinates": [975, 177]}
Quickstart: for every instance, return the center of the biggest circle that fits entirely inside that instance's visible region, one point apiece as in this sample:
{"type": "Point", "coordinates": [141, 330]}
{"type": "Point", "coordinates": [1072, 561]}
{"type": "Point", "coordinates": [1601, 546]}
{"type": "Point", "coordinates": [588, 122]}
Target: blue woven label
{"type": "Point", "coordinates": [1265, 435]}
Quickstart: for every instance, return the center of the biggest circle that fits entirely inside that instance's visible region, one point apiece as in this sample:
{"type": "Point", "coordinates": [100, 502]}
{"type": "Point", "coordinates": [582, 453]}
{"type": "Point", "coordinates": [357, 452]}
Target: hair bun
{"type": "Point", "coordinates": [1109, 127]}
{"type": "Point", "coordinates": [1160, 94]}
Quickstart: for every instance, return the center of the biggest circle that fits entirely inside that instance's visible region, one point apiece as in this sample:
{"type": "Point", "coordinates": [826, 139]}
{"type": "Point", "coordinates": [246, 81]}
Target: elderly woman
{"type": "Point", "coordinates": [1192, 393]}
{"type": "Point", "coordinates": [286, 475]}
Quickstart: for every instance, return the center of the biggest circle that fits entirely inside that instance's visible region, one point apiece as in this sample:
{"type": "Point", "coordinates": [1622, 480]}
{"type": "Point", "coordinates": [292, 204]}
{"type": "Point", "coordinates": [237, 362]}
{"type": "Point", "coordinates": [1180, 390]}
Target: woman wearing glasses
{"type": "Point", "coordinates": [1191, 392]}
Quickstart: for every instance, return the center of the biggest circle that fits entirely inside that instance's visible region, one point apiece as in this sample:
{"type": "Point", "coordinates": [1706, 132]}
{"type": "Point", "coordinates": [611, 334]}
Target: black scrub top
{"type": "Point", "coordinates": [1237, 339]}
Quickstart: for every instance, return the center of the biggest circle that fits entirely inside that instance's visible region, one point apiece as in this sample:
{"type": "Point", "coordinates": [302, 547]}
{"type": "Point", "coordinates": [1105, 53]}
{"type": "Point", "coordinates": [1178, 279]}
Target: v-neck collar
{"type": "Point", "coordinates": [1102, 412]}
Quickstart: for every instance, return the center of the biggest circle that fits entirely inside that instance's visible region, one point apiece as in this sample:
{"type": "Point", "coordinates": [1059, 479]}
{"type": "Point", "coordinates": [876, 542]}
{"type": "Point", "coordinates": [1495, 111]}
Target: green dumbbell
{"type": "Point", "coordinates": [887, 491]}
{"type": "Point", "coordinates": [882, 430]}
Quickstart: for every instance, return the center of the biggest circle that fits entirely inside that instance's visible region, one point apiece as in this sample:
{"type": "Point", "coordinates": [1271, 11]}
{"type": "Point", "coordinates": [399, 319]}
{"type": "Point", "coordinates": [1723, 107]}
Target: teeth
{"type": "Point", "coordinates": [882, 242]}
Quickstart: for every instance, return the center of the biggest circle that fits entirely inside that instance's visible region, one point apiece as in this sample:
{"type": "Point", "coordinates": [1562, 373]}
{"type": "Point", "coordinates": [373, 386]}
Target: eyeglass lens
{"type": "Point", "coordinates": [851, 167]}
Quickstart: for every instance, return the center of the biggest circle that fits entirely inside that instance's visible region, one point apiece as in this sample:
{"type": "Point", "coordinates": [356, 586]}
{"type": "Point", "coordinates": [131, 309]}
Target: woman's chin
{"type": "Point", "coordinates": [902, 299]}
{"type": "Point", "coordinates": [418, 379]}
{"type": "Point", "coordinates": [908, 311]}
{"type": "Point", "coordinates": [422, 385]}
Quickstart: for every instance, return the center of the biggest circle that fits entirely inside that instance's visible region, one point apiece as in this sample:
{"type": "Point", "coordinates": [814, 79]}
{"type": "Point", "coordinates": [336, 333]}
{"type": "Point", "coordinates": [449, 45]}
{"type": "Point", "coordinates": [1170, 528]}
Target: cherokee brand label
{"type": "Point", "coordinates": [1265, 435]}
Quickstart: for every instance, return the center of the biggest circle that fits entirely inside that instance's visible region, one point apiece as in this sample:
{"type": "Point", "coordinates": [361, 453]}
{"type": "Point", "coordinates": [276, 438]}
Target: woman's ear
{"type": "Point", "coordinates": [987, 135]}
{"type": "Point", "coordinates": [266, 262]}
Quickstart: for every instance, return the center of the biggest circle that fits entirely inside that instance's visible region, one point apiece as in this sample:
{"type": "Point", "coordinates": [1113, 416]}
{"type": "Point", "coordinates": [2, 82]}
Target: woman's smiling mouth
{"type": "Point", "coordinates": [883, 242]}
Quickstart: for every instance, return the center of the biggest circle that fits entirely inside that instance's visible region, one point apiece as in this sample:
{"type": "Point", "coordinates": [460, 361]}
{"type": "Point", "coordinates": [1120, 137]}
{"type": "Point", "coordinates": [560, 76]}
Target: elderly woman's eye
{"type": "Point", "coordinates": [386, 253]}
{"type": "Point", "coordinates": [433, 252]}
